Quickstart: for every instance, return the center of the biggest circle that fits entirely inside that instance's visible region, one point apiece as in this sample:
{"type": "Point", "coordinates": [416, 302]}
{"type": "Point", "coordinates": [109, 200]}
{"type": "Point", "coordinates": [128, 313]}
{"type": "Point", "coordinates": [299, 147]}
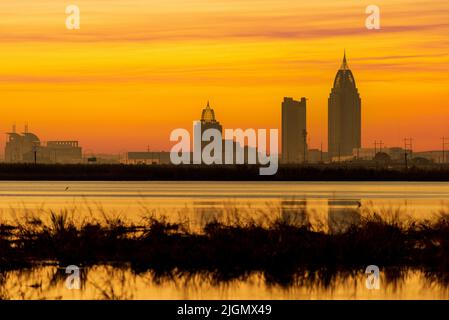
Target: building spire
{"type": "Point", "coordinates": [344, 65]}
{"type": "Point", "coordinates": [208, 114]}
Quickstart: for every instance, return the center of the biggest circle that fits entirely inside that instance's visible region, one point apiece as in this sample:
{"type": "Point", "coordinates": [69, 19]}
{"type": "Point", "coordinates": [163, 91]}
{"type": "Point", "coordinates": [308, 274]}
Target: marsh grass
{"type": "Point", "coordinates": [229, 245]}
{"type": "Point", "coordinates": [287, 250]}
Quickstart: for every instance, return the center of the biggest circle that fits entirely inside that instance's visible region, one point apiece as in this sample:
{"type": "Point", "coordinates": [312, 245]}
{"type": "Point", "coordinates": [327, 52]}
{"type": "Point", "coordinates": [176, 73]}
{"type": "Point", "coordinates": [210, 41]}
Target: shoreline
{"type": "Point", "coordinates": [121, 172]}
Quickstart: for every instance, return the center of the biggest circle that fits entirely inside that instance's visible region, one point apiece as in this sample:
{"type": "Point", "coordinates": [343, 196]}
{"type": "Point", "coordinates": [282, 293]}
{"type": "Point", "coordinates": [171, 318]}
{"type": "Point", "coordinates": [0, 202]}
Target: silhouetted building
{"type": "Point", "coordinates": [395, 153]}
{"type": "Point", "coordinates": [20, 146]}
{"type": "Point", "coordinates": [148, 158]}
{"type": "Point", "coordinates": [294, 134]}
{"type": "Point", "coordinates": [344, 115]}
{"type": "Point", "coordinates": [27, 148]}
{"type": "Point", "coordinates": [382, 158]}
{"type": "Point", "coordinates": [208, 121]}
{"type": "Point", "coordinates": [316, 156]}
{"type": "Point", "coordinates": [61, 152]}
{"type": "Point", "coordinates": [104, 158]}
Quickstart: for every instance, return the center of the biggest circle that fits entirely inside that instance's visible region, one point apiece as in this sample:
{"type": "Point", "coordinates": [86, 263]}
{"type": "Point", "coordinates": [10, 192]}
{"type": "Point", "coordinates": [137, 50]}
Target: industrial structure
{"type": "Point", "coordinates": [148, 157]}
{"type": "Point", "coordinates": [26, 147]}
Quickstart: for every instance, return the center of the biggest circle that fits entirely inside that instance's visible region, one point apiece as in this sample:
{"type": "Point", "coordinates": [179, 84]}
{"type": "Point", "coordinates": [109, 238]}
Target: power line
{"type": "Point", "coordinates": [377, 143]}
{"type": "Point", "coordinates": [304, 134]}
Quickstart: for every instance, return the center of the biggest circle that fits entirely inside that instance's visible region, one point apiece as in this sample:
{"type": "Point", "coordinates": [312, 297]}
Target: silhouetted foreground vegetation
{"type": "Point", "coordinates": [278, 246]}
{"type": "Point", "coordinates": [334, 172]}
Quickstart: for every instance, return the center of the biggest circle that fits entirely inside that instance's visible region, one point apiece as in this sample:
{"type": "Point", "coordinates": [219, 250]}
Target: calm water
{"type": "Point", "coordinates": [107, 282]}
{"type": "Point", "coordinates": [132, 200]}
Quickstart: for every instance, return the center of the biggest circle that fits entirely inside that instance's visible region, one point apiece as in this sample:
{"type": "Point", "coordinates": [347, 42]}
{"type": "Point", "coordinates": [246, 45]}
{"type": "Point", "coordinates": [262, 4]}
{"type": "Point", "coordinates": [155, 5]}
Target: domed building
{"type": "Point", "coordinates": [20, 146]}
{"type": "Point", "coordinates": [208, 121]}
{"type": "Point", "coordinates": [208, 114]}
{"type": "Point", "coordinates": [344, 114]}
{"type": "Point", "coordinates": [28, 148]}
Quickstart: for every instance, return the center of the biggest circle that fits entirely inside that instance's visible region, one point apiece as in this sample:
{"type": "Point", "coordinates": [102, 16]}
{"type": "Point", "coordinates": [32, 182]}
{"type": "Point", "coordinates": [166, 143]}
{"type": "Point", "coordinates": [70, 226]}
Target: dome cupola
{"type": "Point", "coordinates": [208, 114]}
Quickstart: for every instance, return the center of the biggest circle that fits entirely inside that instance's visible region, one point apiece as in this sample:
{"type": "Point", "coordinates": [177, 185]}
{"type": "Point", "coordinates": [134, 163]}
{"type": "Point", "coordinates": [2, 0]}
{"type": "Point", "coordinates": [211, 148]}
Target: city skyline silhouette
{"type": "Point", "coordinates": [344, 131]}
{"type": "Point", "coordinates": [207, 151]}
{"type": "Point", "coordinates": [118, 88]}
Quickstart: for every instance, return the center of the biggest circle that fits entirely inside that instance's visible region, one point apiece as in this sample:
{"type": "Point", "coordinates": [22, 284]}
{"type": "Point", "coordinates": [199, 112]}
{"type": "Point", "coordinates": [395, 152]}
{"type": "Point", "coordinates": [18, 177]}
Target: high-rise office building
{"type": "Point", "coordinates": [344, 115]}
{"type": "Point", "coordinates": [294, 134]}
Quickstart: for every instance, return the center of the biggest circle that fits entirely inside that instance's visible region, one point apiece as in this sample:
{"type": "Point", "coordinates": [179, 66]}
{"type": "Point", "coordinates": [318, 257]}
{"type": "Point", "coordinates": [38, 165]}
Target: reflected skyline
{"type": "Point", "coordinates": [343, 214]}
{"type": "Point", "coordinates": [328, 207]}
{"type": "Point", "coordinates": [116, 283]}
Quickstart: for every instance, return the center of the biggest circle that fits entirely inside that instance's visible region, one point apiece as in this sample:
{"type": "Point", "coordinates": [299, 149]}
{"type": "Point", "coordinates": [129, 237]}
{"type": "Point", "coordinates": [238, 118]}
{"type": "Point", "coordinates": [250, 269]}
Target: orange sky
{"type": "Point", "coordinates": [139, 68]}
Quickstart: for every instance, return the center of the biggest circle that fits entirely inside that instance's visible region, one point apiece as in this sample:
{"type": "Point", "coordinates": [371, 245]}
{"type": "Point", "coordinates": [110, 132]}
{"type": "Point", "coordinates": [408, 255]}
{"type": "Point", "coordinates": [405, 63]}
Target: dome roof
{"type": "Point", "coordinates": [344, 77]}
{"type": "Point", "coordinates": [208, 114]}
{"type": "Point", "coordinates": [31, 137]}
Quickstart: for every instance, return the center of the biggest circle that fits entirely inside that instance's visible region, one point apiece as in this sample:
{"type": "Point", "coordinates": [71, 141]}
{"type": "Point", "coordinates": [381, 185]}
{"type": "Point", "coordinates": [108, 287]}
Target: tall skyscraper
{"type": "Point", "coordinates": [294, 134]}
{"type": "Point", "coordinates": [344, 114]}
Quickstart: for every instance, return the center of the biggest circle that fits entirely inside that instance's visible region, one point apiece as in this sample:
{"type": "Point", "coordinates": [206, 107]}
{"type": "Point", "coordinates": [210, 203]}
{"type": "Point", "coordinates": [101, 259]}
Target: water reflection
{"type": "Point", "coordinates": [134, 199]}
{"type": "Point", "coordinates": [343, 214]}
{"type": "Point", "coordinates": [334, 205]}
{"type": "Point", "coordinates": [122, 282]}
{"type": "Point", "coordinates": [338, 215]}
{"type": "Point", "coordinates": [295, 212]}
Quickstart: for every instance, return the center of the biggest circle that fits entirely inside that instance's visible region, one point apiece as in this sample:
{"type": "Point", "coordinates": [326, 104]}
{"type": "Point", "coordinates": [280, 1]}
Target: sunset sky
{"type": "Point", "coordinates": [138, 69]}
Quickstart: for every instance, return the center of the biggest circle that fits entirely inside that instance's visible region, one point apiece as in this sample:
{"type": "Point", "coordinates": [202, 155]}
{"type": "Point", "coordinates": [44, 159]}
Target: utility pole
{"type": "Point", "coordinates": [444, 148]}
{"type": "Point", "coordinates": [321, 152]}
{"type": "Point", "coordinates": [339, 153]}
{"type": "Point", "coordinates": [304, 134]}
{"type": "Point", "coordinates": [35, 155]}
{"type": "Point", "coordinates": [411, 146]}
{"type": "Point", "coordinates": [407, 144]}
{"type": "Point", "coordinates": [378, 143]}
